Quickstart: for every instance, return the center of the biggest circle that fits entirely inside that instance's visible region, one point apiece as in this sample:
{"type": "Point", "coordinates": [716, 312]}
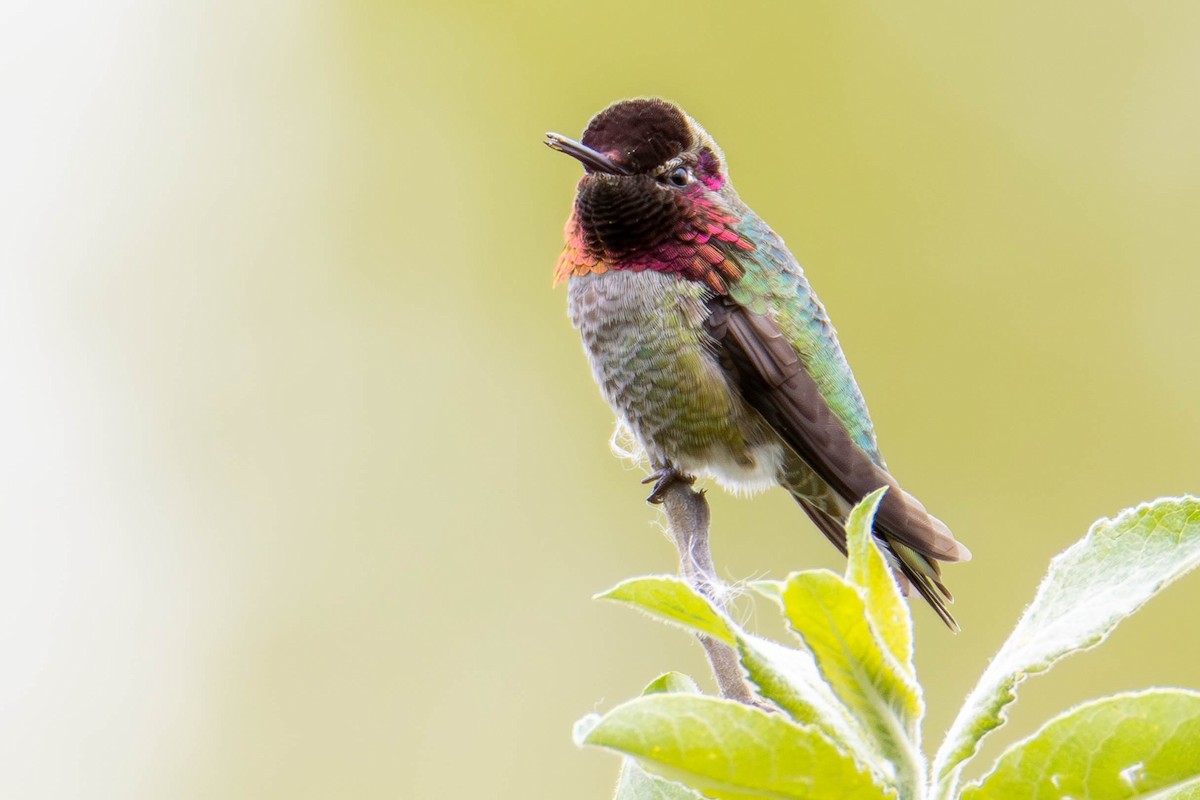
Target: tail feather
{"type": "Point", "coordinates": [924, 574]}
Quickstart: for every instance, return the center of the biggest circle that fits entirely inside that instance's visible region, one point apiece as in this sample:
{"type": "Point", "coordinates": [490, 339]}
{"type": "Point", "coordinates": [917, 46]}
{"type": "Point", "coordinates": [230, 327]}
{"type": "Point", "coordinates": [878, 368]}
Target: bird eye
{"type": "Point", "coordinates": [680, 176]}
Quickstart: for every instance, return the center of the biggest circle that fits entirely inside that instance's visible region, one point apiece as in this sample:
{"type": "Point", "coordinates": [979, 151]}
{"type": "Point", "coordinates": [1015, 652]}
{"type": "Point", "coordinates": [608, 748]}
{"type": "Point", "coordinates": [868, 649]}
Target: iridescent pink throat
{"type": "Point", "coordinates": [698, 250]}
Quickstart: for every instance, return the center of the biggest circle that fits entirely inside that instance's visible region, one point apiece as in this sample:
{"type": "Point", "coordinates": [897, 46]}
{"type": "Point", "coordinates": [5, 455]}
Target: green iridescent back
{"type": "Point", "coordinates": [772, 279]}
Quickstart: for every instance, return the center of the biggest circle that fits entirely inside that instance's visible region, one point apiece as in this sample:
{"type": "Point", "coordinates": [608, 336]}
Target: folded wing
{"type": "Point", "coordinates": [771, 376]}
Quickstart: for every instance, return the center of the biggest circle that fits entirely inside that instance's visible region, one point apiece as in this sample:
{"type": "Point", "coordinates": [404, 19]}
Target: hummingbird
{"type": "Point", "coordinates": [708, 342]}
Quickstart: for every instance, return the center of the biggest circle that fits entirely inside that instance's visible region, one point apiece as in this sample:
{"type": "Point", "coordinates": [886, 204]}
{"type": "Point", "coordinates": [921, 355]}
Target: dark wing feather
{"type": "Point", "coordinates": [834, 531]}
{"type": "Point", "coordinates": [772, 378]}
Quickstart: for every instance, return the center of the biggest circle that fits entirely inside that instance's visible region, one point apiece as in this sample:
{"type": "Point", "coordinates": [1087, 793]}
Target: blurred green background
{"type": "Point", "coordinates": [304, 483]}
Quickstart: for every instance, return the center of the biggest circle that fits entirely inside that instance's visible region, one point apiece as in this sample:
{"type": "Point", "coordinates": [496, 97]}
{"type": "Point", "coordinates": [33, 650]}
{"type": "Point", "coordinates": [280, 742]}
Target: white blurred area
{"type": "Point", "coordinates": [127, 351]}
{"type": "Point", "coordinates": [181, 397]}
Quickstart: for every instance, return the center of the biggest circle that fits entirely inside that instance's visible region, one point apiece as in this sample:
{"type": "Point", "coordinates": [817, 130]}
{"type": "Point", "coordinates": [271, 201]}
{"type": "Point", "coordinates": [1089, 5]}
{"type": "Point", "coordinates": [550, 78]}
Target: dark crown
{"type": "Point", "coordinates": [639, 134]}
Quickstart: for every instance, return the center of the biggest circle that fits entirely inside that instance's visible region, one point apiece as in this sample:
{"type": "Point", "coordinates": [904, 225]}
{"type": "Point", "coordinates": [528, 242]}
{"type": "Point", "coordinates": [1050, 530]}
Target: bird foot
{"type": "Point", "coordinates": [663, 479]}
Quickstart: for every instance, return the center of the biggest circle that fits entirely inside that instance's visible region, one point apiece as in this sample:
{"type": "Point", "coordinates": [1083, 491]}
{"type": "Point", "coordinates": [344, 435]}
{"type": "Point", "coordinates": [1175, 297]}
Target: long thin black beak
{"type": "Point", "coordinates": [590, 158]}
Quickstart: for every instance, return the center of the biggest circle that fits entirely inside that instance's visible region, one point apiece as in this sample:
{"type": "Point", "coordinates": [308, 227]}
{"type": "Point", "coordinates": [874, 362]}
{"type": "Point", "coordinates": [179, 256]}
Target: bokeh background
{"type": "Point", "coordinates": [304, 483]}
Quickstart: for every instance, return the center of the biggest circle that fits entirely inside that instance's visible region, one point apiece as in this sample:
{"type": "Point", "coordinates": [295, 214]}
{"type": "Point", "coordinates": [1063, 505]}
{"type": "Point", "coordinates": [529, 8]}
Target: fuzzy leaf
{"type": "Point", "coordinates": [1090, 588]}
{"type": "Point", "coordinates": [1126, 746]}
{"type": "Point", "coordinates": [772, 590]}
{"type": "Point", "coordinates": [867, 569]}
{"type": "Point", "coordinates": [789, 678]}
{"type": "Point", "coordinates": [637, 784]}
{"type": "Point", "coordinates": [672, 600]}
{"type": "Point", "coordinates": [784, 676]}
{"type": "Point", "coordinates": [731, 751]}
{"type": "Point", "coordinates": [634, 782]}
{"type": "Point", "coordinates": [672, 682]}
{"type": "Point", "coordinates": [830, 616]}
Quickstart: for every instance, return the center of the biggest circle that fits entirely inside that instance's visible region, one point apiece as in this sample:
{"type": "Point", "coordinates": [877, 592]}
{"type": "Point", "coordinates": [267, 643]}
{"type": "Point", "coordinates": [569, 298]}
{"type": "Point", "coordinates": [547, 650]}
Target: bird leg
{"type": "Point", "coordinates": [663, 479]}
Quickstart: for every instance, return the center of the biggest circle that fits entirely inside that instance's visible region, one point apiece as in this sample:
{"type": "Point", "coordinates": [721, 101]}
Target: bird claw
{"type": "Point", "coordinates": [663, 479]}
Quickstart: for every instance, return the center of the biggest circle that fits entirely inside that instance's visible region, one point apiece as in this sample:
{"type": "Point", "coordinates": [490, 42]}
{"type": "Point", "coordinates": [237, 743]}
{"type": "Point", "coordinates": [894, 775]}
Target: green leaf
{"type": "Point", "coordinates": [672, 682]}
{"type": "Point", "coordinates": [634, 782]}
{"type": "Point", "coordinates": [867, 569]}
{"type": "Point", "coordinates": [672, 600]}
{"type": "Point", "coordinates": [772, 590]}
{"type": "Point", "coordinates": [1090, 588]}
{"type": "Point", "coordinates": [731, 751]}
{"type": "Point", "coordinates": [1130, 745]}
{"type": "Point", "coordinates": [830, 616]}
{"type": "Point", "coordinates": [637, 784]}
{"type": "Point", "coordinates": [789, 678]}
{"type": "Point", "coordinates": [785, 676]}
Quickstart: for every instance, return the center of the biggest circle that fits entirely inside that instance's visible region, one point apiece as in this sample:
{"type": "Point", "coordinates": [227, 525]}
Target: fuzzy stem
{"type": "Point", "coordinates": [687, 522]}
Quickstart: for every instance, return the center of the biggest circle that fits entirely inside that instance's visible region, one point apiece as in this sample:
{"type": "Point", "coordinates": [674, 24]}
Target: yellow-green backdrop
{"type": "Point", "coordinates": [305, 486]}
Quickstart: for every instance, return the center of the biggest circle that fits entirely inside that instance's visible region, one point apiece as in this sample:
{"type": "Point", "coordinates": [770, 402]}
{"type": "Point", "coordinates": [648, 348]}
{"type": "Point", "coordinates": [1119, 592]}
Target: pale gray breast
{"type": "Point", "coordinates": [639, 329]}
{"type": "Point", "coordinates": [656, 366]}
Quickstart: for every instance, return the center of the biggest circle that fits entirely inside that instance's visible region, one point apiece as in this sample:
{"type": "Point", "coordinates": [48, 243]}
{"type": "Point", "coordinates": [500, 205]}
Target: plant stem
{"type": "Point", "coordinates": [687, 521]}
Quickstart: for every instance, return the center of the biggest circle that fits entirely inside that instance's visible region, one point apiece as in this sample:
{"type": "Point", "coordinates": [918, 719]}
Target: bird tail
{"type": "Point", "coordinates": [924, 574]}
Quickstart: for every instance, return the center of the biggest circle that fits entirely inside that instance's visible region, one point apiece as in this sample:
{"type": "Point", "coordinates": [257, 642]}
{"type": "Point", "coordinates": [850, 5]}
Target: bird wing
{"type": "Point", "coordinates": [771, 376]}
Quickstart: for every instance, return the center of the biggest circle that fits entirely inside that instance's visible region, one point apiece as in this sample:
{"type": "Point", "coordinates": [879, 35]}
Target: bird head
{"type": "Point", "coordinates": [654, 189]}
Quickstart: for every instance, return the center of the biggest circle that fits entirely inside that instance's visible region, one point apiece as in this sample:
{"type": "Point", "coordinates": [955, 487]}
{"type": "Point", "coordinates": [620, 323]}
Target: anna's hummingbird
{"type": "Point", "coordinates": [709, 344]}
